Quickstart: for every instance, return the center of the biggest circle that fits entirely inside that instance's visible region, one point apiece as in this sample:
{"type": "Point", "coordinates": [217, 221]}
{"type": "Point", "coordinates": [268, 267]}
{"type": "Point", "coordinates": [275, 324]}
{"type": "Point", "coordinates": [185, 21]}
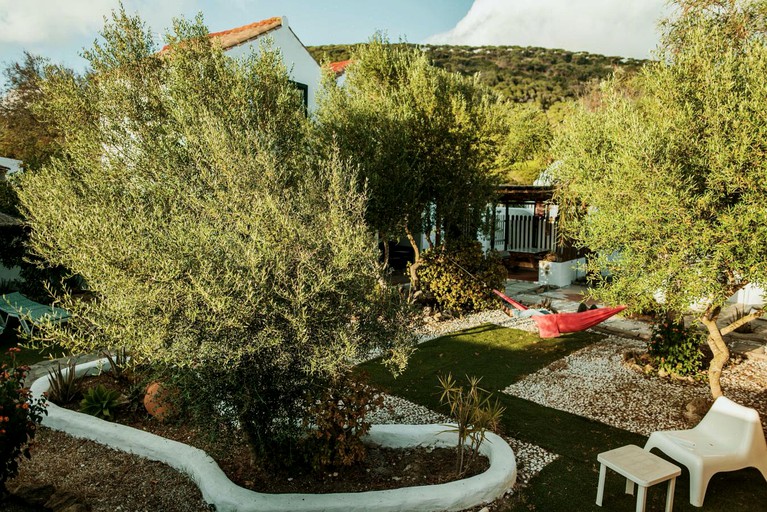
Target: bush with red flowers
{"type": "Point", "coordinates": [20, 415]}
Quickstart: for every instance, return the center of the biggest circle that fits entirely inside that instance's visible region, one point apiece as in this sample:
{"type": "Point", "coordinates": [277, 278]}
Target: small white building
{"type": "Point", "coordinates": [302, 68]}
{"type": "Point", "coordinates": [9, 166]}
{"type": "Point", "coordinates": [339, 68]}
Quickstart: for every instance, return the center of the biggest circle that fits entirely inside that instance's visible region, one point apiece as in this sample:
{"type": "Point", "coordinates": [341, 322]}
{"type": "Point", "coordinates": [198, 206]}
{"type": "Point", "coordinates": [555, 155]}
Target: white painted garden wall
{"type": "Point", "coordinates": [218, 490]}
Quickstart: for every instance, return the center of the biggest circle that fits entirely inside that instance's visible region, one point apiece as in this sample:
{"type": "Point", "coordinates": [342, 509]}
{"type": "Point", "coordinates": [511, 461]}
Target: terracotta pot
{"type": "Point", "coordinates": [160, 401]}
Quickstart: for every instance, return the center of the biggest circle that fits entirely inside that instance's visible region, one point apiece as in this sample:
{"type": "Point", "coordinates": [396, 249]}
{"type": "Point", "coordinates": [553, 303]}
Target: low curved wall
{"type": "Point", "coordinates": [217, 489]}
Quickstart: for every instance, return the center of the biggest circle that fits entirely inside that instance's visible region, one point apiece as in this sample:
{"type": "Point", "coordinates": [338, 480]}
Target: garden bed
{"type": "Point", "coordinates": [219, 490]}
{"type": "Point", "coordinates": [383, 468]}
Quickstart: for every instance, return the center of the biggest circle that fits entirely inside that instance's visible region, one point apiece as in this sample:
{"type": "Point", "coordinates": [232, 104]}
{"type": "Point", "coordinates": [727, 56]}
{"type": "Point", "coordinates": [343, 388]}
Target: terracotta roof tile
{"type": "Point", "coordinates": [237, 36]}
{"type": "Point", "coordinates": [339, 67]}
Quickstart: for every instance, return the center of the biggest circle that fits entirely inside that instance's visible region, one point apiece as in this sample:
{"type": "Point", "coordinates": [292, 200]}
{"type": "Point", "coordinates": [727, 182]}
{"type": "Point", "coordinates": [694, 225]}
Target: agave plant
{"type": "Point", "coordinates": [101, 402]}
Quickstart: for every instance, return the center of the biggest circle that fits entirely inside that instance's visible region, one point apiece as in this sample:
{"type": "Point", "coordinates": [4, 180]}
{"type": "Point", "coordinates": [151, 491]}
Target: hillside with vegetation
{"type": "Point", "coordinates": [523, 74]}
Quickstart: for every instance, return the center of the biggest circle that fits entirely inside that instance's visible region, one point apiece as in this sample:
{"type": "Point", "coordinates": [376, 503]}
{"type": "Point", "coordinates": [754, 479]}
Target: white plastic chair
{"type": "Point", "coordinates": [728, 438]}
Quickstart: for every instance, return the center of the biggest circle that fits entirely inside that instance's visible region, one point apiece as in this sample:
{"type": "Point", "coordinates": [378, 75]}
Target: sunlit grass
{"type": "Point", "coordinates": [502, 356]}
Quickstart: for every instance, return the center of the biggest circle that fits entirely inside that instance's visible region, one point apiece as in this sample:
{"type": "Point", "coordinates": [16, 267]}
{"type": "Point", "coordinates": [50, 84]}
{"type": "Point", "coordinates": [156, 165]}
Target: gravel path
{"type": "Point", "coordinates": [595, 382]}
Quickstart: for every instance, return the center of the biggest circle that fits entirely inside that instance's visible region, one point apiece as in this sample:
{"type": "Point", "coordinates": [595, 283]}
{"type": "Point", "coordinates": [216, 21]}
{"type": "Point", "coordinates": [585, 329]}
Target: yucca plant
{"type": "Point", "coordinates": [473, 412]}
{"type": "Point", "coordinates": [65, 385]}
{"type": "Point", "coordinates": [101, 402]}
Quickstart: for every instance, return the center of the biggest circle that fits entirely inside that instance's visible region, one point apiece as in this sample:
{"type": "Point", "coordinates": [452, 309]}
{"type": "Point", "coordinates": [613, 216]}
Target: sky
{"type": "Point", "coordinates": [60, 29]}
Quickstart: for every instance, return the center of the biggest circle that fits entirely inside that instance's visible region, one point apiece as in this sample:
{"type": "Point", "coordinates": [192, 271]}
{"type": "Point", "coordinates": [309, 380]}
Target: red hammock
{"type": "Point", "coordinates": [552, 325]}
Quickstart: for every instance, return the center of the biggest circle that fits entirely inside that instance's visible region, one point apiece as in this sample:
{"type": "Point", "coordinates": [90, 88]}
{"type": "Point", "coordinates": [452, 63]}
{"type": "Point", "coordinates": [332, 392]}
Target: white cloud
{"type": "Point", "coordinates": [26, 22]}
{"type": "Point", "coordinates": [612, 27]}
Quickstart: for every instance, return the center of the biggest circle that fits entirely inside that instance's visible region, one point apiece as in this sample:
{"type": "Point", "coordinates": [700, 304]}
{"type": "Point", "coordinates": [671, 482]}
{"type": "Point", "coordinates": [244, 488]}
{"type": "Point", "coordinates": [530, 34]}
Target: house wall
{"type": "Point", "coordinates": [10, 274]}
{"type": "Point", "coordinates": [301, 65]}
{"type": "Point", "coordinates": [750, 295]}
{"type": "Point", "coordinates": [10, 164]}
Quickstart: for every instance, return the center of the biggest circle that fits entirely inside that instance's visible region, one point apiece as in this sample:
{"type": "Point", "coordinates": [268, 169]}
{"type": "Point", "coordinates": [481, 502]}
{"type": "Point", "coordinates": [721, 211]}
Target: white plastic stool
{"type": "Point", "coordinates": [640, 467]}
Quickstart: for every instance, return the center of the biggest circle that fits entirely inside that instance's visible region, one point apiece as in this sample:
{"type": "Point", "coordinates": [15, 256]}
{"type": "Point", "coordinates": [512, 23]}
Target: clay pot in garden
{"type": "Point", "coordinates": [160, 401]}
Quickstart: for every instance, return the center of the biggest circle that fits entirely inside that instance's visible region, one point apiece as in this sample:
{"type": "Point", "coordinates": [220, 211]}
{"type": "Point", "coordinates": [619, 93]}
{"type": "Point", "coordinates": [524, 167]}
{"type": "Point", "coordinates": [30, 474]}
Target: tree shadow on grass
{"type": "Point", "coordinates": [502, 356]}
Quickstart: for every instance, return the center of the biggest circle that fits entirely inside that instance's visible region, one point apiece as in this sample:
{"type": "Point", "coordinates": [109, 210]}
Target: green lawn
{"type": "Point", "coordinates": [503, 356]}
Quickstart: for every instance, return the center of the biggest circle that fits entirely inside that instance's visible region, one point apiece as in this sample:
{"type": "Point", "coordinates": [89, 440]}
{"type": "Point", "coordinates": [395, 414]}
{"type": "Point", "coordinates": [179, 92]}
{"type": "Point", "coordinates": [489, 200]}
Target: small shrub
{"type": "Point", "coordinates": [20, 415]}
{"type": "Point", "coordinates": [453, 288]}
{"type": "Point", "coordinates": [65, 386]}
{"type": "Point", "coordinates": [119, 363]}
{"type": "Point", "coordinates": [676, 349]}
{"type": "Point", "coordinates": [101, 402]}
{"type": "Point", "coordinates": [135, 397]}
{"type": "Point", "coordinates": [474, 413]}
{"type": "Point", "coordinates": [336, 422]}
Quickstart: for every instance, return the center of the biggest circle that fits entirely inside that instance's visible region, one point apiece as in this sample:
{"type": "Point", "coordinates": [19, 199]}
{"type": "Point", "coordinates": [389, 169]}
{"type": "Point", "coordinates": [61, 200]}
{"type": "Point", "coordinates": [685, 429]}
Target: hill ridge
{"type": "Point", "coordinates": [524, 74]}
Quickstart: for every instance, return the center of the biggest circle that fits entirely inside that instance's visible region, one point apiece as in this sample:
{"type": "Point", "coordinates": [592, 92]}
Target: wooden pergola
{"type": "Point", "coordinates": [513, 194]}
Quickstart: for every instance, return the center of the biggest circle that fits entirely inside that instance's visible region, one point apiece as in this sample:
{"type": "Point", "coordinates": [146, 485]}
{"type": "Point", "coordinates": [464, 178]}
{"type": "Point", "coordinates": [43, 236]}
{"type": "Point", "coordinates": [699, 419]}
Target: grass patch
{"type": "Point", "coordinates": [503, 356]}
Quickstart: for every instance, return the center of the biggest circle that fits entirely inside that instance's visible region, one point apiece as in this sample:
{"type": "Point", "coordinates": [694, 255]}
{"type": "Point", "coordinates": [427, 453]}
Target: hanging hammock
{"type": "Point", "coordinates": [551, 325]}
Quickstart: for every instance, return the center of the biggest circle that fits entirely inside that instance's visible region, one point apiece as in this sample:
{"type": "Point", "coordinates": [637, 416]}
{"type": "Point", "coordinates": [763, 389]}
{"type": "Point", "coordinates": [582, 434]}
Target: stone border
{"type": "Point", "coordinates": [218, 490]}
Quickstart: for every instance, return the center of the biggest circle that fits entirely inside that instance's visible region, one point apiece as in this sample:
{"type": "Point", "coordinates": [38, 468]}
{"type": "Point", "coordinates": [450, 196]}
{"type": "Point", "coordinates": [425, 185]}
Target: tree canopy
{"type": "Point", "coordinates": [24, 133]}
{"type": "Point", "coordinates": [213, 243]}
{"type": "Point", "coordinates": [429, 143]}
{"type": "Point", "coordinates": [664, 175]}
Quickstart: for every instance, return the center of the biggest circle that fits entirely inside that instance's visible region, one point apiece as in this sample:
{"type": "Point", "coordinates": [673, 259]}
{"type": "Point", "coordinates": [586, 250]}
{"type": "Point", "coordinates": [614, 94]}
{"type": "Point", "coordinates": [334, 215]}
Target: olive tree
{"type": "Point", "coordinates": [213, 243]}
{"type": "Point", "coordinates": [664, 176]}
{"type": "Point", "coordinates": [426, 140]}
{"type": "Point", "coordinates": [25, 134]}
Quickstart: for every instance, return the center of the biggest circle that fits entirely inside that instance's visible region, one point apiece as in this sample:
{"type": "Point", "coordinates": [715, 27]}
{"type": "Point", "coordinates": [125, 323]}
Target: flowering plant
{"type": "Point", "coordinates": [20, 415]}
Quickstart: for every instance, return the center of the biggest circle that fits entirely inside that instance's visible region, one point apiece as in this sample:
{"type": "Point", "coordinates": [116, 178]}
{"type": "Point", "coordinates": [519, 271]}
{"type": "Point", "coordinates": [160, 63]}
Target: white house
{"type": "Point", "coordinates": [302, 68]}
{"type": "Point", "coordinates": [8, 166]}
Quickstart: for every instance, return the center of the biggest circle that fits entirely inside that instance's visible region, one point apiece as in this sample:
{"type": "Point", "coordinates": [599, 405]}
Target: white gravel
{"type": "Point", "coordinates": [399, 410]}
{"type": "Point", "coordinates": [596, 383]}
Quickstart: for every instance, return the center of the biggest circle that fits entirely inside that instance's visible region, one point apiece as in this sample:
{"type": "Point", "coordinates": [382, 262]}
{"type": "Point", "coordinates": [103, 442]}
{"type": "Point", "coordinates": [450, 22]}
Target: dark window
{"type": "Point", "coordinates": [304, 89]}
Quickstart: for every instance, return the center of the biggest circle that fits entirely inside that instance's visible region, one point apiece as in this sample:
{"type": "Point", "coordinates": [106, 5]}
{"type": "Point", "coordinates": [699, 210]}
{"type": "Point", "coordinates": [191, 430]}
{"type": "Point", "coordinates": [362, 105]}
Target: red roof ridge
{"type": "Point", "coordinates": [239, 35]}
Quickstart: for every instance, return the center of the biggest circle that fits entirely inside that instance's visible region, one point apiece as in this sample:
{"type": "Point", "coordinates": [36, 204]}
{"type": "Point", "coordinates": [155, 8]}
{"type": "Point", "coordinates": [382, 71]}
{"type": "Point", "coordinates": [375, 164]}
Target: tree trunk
{"type": "Point", "coordinates": [385, 243]}
{"type": "Point", "coordinates": [417, 263]}
{"type": "Point", "coordinates": [719, 349]}
{"type": "Point", "coordinates": [252, 437]}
